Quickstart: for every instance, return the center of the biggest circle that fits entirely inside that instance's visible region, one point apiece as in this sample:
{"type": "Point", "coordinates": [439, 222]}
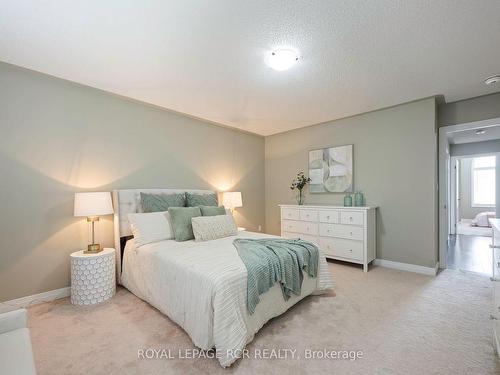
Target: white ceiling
{"type": "Point", "coordinates": [205, 58]}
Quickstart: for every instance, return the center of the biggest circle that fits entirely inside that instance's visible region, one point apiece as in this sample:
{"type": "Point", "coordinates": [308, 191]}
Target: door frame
{"type": "Point", "coordinates": [454, 194]}
{"type": "Point", "coordinates": [444, 175]}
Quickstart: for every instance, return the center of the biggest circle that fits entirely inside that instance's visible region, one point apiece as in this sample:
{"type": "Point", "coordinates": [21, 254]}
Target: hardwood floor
{"type": "Point", "coordinates": [470, 253]}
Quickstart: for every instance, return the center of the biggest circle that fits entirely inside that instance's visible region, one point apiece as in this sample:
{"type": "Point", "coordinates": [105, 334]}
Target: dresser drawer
{"type": "Point", "coordinates": [326, 230]}
{"type": "Point", "coordinates": [496, 299]}
{"type": "Point", "coordinates": [351, 217]}
{"type": "Point", "coordinates": [313, 239]}
{"type": "Point", "coordinates": [496, 335]}
{"type": "Point", "coordinates": [309, 215]}
{"type": "Point", "coordinates": [309, 228]}
{"type": "Point", "coordinates": [339, 247]}
{"type": "Point", "coordinates": [330, 216]}
{"type": "Point", "coordinates": [290, 235]}
{"type": "Point", "coordinates": [291, 214]}
{"type": "Point", "coordinates": [305, 237]}
{"type": "Point", "coordinates": [496, 257]}
{"type": "Point", "coordinates": [350, 232]}
{"type": "Point", "coordinates": [292, 226]}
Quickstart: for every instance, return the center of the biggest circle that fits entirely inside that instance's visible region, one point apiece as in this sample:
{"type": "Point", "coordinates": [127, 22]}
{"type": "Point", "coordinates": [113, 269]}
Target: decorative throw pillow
{"type": "Point", "coordinates": [207, 228]}
{"type": "Point", "coordinates": [150, 227]}
{"type": "Point", "coordinates": [193, 200]}
{"type": "Point", "coordinates": [181, 221]}
{"type": "Point", "coordinates": [161, 202]}
{"type": "Point", "coordinates": [212, 211]}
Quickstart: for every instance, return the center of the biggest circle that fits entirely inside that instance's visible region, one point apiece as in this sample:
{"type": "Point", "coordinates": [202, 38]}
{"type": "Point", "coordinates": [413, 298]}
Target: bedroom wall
{"type": "Point", "coordinates": [395, 165]}
{"type": "Point", "coordinates": [59, 137]}
{"type": "Point", "coordinates": [465, 205]}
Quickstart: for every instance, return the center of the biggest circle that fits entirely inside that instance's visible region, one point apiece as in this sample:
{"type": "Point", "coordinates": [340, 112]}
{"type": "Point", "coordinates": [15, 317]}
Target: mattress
{"type": "Point", "coordinates": [202, 287]}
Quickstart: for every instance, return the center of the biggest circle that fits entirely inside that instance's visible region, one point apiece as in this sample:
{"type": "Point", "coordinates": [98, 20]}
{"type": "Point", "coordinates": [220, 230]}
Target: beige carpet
{"type": "Point", "coordinates": [404, 323]}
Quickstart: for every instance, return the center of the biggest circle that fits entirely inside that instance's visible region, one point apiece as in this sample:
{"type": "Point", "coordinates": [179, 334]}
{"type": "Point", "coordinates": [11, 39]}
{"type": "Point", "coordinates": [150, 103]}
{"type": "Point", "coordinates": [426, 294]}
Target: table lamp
{"type": "Point", "coordinates": [92, 205]}
{"type": "Point", "coordinates": [232, 199]}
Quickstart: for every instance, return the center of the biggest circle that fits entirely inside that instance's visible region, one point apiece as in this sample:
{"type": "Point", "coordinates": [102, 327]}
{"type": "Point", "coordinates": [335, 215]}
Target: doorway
{"type": "Point", "coordinates": [469, 187]}
{"type": "Point", "coordinates": [472, 204]}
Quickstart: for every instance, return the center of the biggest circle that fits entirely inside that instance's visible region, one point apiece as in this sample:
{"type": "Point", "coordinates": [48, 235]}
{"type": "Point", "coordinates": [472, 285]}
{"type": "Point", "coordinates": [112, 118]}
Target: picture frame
{"type": "Point", "coordinates": [331, 169]}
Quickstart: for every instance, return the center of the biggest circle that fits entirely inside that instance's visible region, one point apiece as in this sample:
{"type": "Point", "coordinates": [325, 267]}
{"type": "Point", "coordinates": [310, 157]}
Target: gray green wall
{"type": "Point", "coordinates": [57, 138]}
{"type": "Point", "coordinates": [395, 165]}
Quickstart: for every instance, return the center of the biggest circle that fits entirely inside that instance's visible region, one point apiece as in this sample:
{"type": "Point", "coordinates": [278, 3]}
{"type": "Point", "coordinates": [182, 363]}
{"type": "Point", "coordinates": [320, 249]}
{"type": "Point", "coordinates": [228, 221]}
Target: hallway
{"type": "Point", "coordinates": [470, 253]}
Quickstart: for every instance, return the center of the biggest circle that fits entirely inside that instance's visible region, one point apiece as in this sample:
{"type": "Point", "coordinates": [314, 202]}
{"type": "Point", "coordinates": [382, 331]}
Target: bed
{"type": "Point", "coordinates": [200, 285]}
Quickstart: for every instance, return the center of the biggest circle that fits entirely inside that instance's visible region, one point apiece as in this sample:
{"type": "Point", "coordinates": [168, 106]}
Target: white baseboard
{"type": "Point", "coordinates": [27, 301]}
{"type": "Point", "coordinates": [407, 267]}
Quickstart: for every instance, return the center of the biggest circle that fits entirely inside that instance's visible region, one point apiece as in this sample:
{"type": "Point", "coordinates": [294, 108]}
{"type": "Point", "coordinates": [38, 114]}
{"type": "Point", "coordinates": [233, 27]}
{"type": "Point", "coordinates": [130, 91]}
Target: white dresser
{"type": "Point", "coordinates": [495, 279]}
{"type": "Point", "coordinates": [343, 233]}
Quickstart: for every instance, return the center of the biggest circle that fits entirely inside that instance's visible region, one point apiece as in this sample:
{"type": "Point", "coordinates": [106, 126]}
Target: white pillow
{"type": "Point", "coordinates": [150, 227]}
{"type": "Point", "coordinates": [207, 228]}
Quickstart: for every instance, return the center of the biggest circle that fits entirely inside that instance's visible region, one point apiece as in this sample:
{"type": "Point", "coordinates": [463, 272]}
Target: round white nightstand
{"type": "Point", "coordinates": [92, 277]}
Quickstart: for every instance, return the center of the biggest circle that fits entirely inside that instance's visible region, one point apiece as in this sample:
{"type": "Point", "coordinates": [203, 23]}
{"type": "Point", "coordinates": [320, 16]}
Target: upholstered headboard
{"type": "Point", "coordinates": [129, 201]}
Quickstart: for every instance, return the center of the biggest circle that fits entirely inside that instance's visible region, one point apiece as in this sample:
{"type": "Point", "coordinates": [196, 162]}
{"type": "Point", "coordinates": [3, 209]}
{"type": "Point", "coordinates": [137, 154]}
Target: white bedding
{"type": "Point", "coordinates": [202, 287]}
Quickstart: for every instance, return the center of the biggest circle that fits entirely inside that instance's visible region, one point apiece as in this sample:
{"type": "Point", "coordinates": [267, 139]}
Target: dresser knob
{"type": "Point", "coordinates": [350, 250]}
{"type": "Point", "coordinates": [350, 218]}
{"type": "Point", "coordinates": [328, 217]}
{"type": "Point", "coordinates": [351, 233]}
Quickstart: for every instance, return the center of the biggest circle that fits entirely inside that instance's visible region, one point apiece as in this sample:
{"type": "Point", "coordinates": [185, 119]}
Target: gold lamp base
{"type": "Point", "coordinates": [93, 249]}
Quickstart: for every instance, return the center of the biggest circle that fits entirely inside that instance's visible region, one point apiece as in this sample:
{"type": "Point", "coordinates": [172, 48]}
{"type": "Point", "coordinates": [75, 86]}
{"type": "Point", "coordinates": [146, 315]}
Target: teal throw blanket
{"type": "Point", "coordinates": [276, 260]}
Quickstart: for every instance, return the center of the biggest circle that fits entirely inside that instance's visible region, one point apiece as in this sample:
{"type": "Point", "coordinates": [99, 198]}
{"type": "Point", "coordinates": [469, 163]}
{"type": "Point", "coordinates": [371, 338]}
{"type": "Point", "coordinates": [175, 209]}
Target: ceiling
{"type": "Point", "coordinates": [206, 58]}
{"type": "Point", "coordinates": [469, 136]}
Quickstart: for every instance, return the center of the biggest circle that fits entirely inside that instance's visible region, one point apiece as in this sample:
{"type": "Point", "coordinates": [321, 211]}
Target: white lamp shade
{"type": "Point", "coordinates": [93, 204]}
{"type": "Point", "coordinates": [232, 199]}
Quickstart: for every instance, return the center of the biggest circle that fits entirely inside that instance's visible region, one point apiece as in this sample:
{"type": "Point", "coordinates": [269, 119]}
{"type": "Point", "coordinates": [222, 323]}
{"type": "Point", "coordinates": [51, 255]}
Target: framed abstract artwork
{"type": "Point", "coordinates": [330, 170]}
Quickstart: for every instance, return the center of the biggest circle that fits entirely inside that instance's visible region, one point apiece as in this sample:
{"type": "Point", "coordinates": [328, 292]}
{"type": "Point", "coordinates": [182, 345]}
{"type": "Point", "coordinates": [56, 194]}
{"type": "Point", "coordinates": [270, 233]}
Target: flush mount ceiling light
{"type": "Point", "coordinates": [282, 59]}
{"type": "Point", "coordinates": [492, 80]}
{"type": "Point", "coordinates": [480, 132]}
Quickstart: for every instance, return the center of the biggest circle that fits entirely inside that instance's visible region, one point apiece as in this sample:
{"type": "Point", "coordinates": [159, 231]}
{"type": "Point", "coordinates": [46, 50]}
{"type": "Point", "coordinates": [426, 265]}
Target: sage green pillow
{"type": "Point", "coordinates": [161, 202]}
{"type": "Point", "coordinates": [193, 200]}
{"type": "Point", "coordinates": [181, 221]}
{"type": "Point", "coordinates": [212, 211]}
